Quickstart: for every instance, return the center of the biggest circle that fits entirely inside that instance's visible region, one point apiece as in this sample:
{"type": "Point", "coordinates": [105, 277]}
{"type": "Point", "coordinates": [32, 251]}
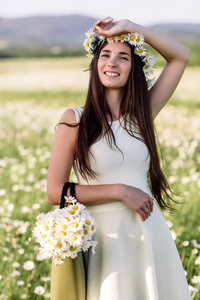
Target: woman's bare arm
{"type": "Point", "coordinates": [60, 168]}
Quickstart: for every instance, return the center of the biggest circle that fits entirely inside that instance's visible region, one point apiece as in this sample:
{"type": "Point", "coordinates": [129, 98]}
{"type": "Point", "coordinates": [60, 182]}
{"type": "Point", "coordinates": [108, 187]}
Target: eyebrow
{"type": "Point", "coordinates": [122, 53]}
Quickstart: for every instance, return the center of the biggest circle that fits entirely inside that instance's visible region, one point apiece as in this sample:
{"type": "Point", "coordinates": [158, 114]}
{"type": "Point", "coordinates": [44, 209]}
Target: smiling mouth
{"type": "Point", "coordinates": [111, 74]}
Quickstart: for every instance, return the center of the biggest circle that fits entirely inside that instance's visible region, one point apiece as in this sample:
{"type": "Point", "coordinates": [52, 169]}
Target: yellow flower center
{"type": "Point", "coordinates": [54, 224]}
{"type": "Point", "coordinates": [71, 212]}
{"type": "Point", "coordinates": [44, 236]}
{"type": "Point", "coordinates": [72, 248]}
{"type": "Point", "coordinates": [75, 207]}
{"type": "Point", "coordinates": [63, 226]}
{"type": "Point", "coordinates": [90, 36]}
{"type": "Point", "coordinates": [120, 37]}
{"type": "Point", "coordinates": [46, 228]}
{"type": "Point", "coordinates": [63, 233]}
{"type": "Point", "coordinates": [46, 222]}
{"type": "Point", "coordinates": [140, 51]}
{"type": "Point", "coordinates": [74, 238]}
{"type": "Point", "coordinates": [45, 279]}
{"type": "Point", "coordinates": [59, 245]}
{"type": "Point", "coordinates": [67, 219]}
{"type": "Point", "coordinates": [138, 39]}
{"type": "Point", "coordinates": [75, 225]}
{"type": "Point", "coordinates": [132, 37]}
{"type": "Point", "coordinates": [112, 38]}
{"type": "Point", "coordinates": [92, 228]}
{"type": "Point", "coordinates": [50, 243]}
{"type": "Point", "coordinates": [146, 67]}
{"type": "Point", "coordinates": [85, 232]}
{"type": "Point", "coordinates": [88, 222]}
{"type": "Point", "coordinates": [87, 44]}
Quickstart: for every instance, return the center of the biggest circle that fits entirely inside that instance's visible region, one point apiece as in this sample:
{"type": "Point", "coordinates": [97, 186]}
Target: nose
{"type": "Point", "coordinates": [112, 62]}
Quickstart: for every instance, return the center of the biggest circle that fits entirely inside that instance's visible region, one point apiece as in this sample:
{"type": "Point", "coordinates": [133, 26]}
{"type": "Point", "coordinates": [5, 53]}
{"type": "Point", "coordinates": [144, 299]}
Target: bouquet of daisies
{"type": "Point", "coordinates": [65, 232]}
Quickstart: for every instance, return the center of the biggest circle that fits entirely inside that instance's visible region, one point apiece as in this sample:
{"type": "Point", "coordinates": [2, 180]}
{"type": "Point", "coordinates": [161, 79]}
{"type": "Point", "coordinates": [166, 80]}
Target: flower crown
{"type": "Point", "coordinates": [135, 39]}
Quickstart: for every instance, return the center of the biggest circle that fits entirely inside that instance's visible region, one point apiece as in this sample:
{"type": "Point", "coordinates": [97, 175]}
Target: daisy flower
{"type": "Point", "coordinates": [132, 39]}
{"type": "Point", "coordinates": [197, 261]}
{"type": "Point", "coordinates": [39, 257]}
{"type": "Point", "coordinates": [58, 261]}
{"type": "Point", "coordinates": [20, 282]}
{"type": "Point", "coordinates": [139, 39]}
{"type": "Point", "coordinates": [39, 290]}
{"type": "Point", "coordinates": [90, 55]}
{"type": "Point", "coordinates": [147, 69]}
{"type": "Point", "coordinates": [28, 265]}
{"type": "Point", "coordinates": [150, 82]}
{"type": "Point", "coordinates": [140, 51]}
{"type": "Point", "coordinates": [76, 225]}
{"type": "Point", "coordinates": [90, 35]}
{"type": "Point", "coordinates": [192, 289]}
{"type": "Point", "coordinates": [110, 40]}
{"type": "Point", "coordinates": [185, 243]}
{"type": "Point", "coordinates": [46, 279]}
{"type": "Point", "coordinates": [75, 239]}
{"type": "Point", "coordinates": [151, 60]}
{"type": "Point", "coordinates": [3, 297]}
{"type": "Point", "coordinates": [73, 251]}
{"type": "Point", "coordinates": [119, 38]}
{"type": "Point", "coordinates": [195, 279]}
{"type": "Point", "coordinates": [87, 45]}
{"type": "Point", "coordinates": [15, 264]}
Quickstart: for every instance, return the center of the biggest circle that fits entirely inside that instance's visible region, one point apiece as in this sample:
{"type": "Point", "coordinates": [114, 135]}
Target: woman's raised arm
{"type": "Point", "coordinates": [175, 54]}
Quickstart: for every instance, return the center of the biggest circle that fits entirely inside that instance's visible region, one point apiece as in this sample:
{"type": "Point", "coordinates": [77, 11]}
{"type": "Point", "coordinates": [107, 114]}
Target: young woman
{"type": "Point", "coordinates": [114, 155]}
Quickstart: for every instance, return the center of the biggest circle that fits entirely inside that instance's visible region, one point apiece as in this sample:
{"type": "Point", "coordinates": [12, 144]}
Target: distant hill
{"type": "Point", "coordinates": [183, 32]}
{"type": "Point", "coordinates": [58, 32]}
{"type": "Point", "coordinates": [44, 32]}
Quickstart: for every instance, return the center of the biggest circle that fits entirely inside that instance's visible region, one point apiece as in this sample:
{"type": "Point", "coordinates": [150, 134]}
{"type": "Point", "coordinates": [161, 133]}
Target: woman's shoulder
{"type": "Point", "coordinates": [72, 115]}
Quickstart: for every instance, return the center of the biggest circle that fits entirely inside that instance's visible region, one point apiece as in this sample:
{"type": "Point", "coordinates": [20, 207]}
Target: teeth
{"type": "Point", "coordinates": [112, 74]}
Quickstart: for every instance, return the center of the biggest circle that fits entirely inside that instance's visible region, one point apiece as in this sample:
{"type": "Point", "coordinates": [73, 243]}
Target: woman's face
{"type": "Point", "coordinates": [114, 65]}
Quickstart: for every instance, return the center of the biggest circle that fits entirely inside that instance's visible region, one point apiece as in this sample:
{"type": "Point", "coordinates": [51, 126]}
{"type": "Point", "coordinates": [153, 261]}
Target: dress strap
{"type": "Point", "coordinates": [78, 113]}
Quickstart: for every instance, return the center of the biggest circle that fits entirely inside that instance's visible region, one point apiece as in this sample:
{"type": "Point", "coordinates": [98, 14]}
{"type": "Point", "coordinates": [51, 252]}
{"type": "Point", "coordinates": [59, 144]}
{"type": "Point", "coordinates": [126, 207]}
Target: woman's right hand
{"type": "Point", "coordinates": [137, 200]}
{"type": "Point", "coordinates": [107, 28]}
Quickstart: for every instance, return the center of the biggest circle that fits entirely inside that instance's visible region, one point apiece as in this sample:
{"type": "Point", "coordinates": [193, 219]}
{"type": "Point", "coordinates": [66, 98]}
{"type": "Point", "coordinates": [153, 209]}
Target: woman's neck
{"type": "Point", "coordinates": [114, 99]}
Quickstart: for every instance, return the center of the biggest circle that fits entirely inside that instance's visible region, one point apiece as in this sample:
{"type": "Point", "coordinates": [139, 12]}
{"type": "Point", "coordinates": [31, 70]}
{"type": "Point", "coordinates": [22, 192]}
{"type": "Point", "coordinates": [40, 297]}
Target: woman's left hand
{"type": "Point", "coordinates": [107, 28]}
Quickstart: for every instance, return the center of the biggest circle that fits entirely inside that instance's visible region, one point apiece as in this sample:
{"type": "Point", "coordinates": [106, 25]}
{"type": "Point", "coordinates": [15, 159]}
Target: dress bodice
{"type": "Point", "coordinates": [129, 166]}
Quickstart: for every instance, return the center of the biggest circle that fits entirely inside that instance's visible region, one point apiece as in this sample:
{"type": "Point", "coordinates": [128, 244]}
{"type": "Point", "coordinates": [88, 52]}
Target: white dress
{"type": "Point", "coordinates": [134, 260]}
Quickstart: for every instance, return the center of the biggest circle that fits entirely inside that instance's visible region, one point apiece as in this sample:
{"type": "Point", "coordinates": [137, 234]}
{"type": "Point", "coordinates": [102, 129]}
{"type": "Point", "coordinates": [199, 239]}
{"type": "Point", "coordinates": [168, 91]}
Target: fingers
{"type": "Point", "coordinates": [107, 20]}
{"type": "Point", "coordinates": [101, 23]}
{"type": "Point", "coordinates": [146, 211]}
{"type": "Point", "coordinates": [151, 201]}
{"type": "Point", "coordinates": [144, 215]}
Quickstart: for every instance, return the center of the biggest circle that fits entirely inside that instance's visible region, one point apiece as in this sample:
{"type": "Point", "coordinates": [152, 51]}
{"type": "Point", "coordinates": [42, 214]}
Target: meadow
{"type": "Point", "coordinates": [33, 95]}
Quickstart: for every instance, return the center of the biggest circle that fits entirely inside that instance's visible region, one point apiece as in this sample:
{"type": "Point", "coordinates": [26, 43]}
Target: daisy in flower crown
{"type": "Point", "coordinates": [111, 144]}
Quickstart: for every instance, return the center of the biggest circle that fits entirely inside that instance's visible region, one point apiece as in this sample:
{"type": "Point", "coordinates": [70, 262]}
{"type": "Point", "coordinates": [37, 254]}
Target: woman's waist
{"type": "Point", "coordinates": [106, 207]}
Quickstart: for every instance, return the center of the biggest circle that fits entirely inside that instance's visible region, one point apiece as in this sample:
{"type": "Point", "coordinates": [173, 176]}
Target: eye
{"type": "Point", "coordinates": [104, 55]}
{"type": "Point", "coordinates": [123, 57]}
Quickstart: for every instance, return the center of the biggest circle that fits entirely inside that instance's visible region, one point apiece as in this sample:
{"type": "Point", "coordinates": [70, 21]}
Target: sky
{"type": "Point", "coordinates": [144, 12]}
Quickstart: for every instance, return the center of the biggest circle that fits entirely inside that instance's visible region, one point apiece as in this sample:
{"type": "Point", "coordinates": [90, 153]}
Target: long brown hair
{"type": "Point", "coordinates": [135, 107]}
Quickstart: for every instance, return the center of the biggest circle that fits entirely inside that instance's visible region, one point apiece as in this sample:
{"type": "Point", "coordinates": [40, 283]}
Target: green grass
{"type": "Point", "coordinates": [28, 116]}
